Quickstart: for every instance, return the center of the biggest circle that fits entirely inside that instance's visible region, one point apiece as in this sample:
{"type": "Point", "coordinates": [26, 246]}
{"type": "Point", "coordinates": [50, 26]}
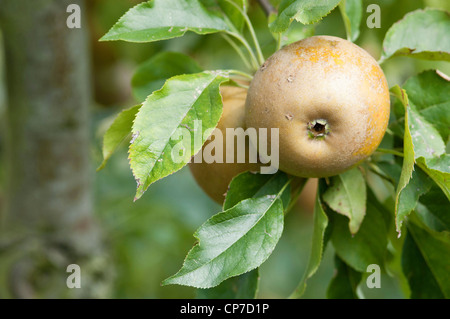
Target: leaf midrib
{"type": "Point", "coordinates": [173, 131]}
{"type": "Point", "coordinates": [233, 243]}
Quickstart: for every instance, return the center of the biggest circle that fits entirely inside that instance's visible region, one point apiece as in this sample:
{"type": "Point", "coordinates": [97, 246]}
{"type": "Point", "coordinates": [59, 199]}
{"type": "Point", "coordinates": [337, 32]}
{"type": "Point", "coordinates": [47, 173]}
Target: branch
{"type": "Point", "coordinates": [267, 7]}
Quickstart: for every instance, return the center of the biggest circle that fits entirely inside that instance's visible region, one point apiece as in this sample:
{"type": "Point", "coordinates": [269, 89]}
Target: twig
{"type": "Point", "coordinates": [252, 32]}
{"type": "Point", "coordinates": [254, 60]}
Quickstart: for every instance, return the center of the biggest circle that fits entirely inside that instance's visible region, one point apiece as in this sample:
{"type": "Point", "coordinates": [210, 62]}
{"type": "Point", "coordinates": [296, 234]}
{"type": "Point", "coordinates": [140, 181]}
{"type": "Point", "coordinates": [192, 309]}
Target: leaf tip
{"type": "Point", "coordinates": [165, 282]}
{"type": "Point", "coordinates": [101, 166]}
{"type": "Point", "coordinates": [399, 228]}
{"type": "Point", "coordinates": [138, 195]}
{"type": "Point", "coordinates": [106, 37]}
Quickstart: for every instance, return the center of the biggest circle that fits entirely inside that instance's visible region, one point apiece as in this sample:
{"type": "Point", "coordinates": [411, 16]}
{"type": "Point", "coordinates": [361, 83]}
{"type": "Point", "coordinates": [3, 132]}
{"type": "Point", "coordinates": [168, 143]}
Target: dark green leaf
{"type": "Point", "coordinates": [390, 170]}
{"type": "Point", "coordinates": [421, 281]}
{"type": "Point", "coordinates": [438, 205]}
{"type": "Point", "coordinates": [244, 286]}
{"type": "Point", "coordinates": [367, 246]}
{"type": "Point", "coordinates": [318, 242]}
{"type": "Point", "coordinates": [232, 243]}
{"type": "Point", "coordinates": [419, 184]}
{"type": "Point", "coordinates": [425, 261]}
{"type": "Point", "coordinates": [151, 75]}
{"type": "Point", "coordinates": [252, 185]}
{"type": "Point", "coordinates": [385, 211]}
{"type": "Point", "coordinates": [243, 186]}
{"type": "Point", "coordinates": [345, 281]}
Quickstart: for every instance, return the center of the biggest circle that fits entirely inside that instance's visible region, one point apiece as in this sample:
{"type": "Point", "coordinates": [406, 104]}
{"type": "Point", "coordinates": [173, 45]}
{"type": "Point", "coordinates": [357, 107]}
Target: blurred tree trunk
{"type": "Point", "coordinates": [48, 199]}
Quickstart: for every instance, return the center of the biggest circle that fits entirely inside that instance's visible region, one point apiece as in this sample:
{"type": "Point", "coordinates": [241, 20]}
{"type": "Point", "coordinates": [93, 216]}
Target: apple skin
{"type": "Point", "coordinates": [330, 100]}
{"type": "Point", "coordinates": [307, 199]}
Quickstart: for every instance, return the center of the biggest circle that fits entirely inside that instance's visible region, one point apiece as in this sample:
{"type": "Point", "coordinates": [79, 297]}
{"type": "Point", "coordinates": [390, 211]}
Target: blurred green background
{"type": "Point", "coordinates": [147, 240]}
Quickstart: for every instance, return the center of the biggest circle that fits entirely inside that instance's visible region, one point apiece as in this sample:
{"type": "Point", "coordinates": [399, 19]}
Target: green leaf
{"type": "Point", "coordinates": [421, 281]}
{"type": "Point", "coordinates": [243, 186]}
{"type": "Point", "coordinates": [408, 151]}
{"type": "Point", "coordinates": [438, 168]}
{"type": "Point", "coordinates": [426, 139]}
{"type": "Point", "coordinates": [244, 286]}
{"type": "Point", "coordinates": [423, 145]}
{"type": "Point", "coordinates": [411, 36]}
{"type": "Point", "coordinates": [318, 242]}
{"type": "Point", "coordinates": [427, 89]}
{"type": "Point", "coordinates": [233, 13]}
{"type": "Point", "coordinates": [119, 130]}
{"type": "Point", "coordinates": [351, 11]}
{"type": "Point", "coordinates": [419, 184]}
{"type": "Point", "coordinates": [438, 205]}
{"type": "Point", "coordinates": [232, 243]}
{"type": "Point", "coordinates": [151, 75]}
{"type": "Point", "coordinates": [425, 261]}
{"type": "Point", "coordinates": [347, 196]}
{"type": "Point", "coordinates": [165, 19]}
{"type": "Point", "coordinates": [304, 11]}
{"type": "Point", "coordinates": [345, 281]}
{"type": "Point", "coordinates": [391, 170]}
{"type": "Point", "coordinates": [252, 185]}
{"type": "Point", "coordinates": [160, 146]}
{"type": "Point", "coordinates": [385, 211]}
{"type": "Point", "coordinates": [367, 246]}
{"type": "Point", "coordinates": [429, 93]}
{"type": "Point", "coordinates": [297, 32]}
{"type": "Point", "coordinates": [439, 117]}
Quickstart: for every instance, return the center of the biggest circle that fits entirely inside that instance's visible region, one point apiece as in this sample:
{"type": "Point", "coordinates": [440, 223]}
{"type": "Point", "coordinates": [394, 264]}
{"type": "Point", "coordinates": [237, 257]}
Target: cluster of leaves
{"type": "Point", "coordinates": [363, 228]}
